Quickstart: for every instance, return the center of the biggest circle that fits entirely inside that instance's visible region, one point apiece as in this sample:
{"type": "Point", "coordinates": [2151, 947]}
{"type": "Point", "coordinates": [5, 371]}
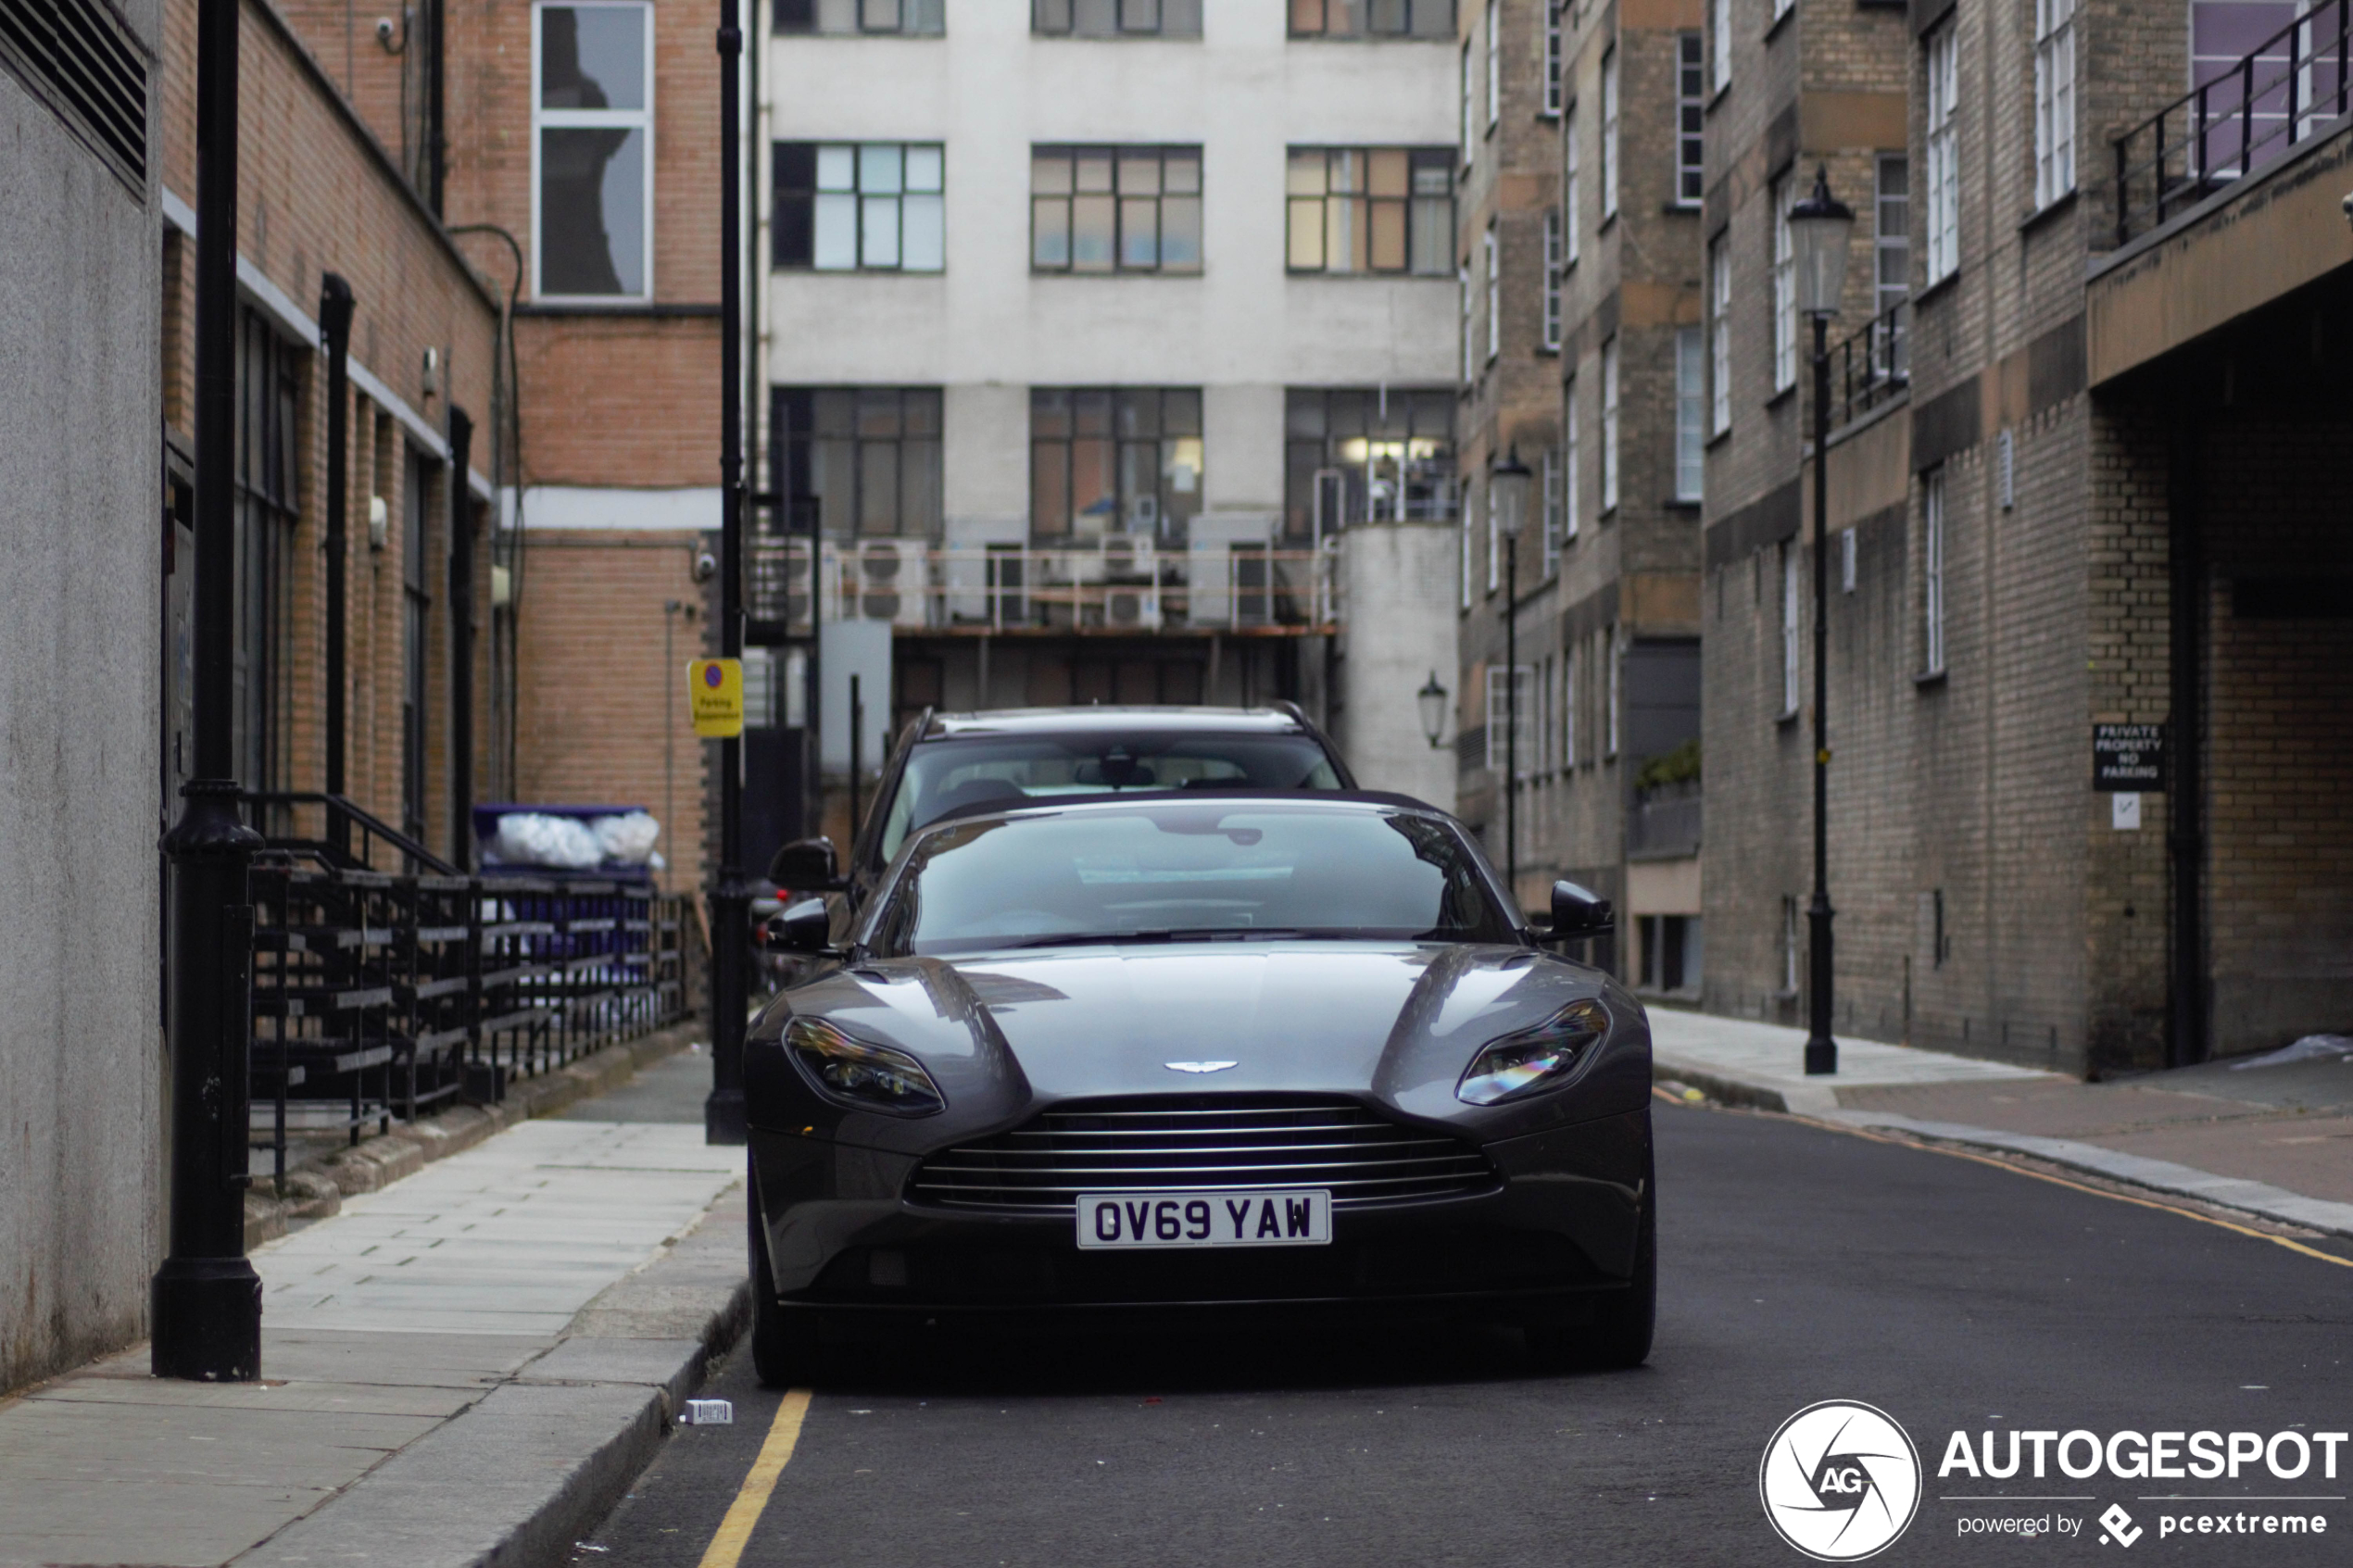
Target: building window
{"type": "Point", "coordinates": [1571, 465]}
{"type": "Point", "coordinates": [846, 207]}
{"type": "Point", "coordinates": [1568, 706]}
{"type": "Point", "coordinates": [1892, 207]}
{"type": "Point", "coordinates": [1609, 427]}
{"type": "Point", "coordinates": [1670, 958]}
{"type": "Point", "coordinates": [1115, 209]}
{"type": "Point", "coordinates": [1556, 85]}
{"type": "Point", "coordinates": [2054, 100]}
{"type": "Point", "coordinates": [1116, 18]}
{"type": "Point", "coordinates": [1932, 574]}
{"type": "Point", "coordinates": [1690, 118]}
{"type": "Point", "coordinates": [1719, 23]}
{"type": "Point", "coordinates": [1494, 293]}
{"type": "Point", "coordinates": [1494, 539]}
{"type": "Point", "coordinates": [1470, 502]}
{"type": "Point", "coordinates": [1353, 456]}
{"type": "Point", "coordinates": [1371, 209]}
{"type": "Point", "coordinates": [266, 512]}
{"type": "Point", "coordinates": [1571, 211]}
{"type": "Point", "coordinates": [1613, 678]}
{"type": "Point", "coordinates": [1791, 943]}
{"type": "Point", "coordinates": [859, 460]}
{"type": "Point", "coordinates": [1507, 716]}
{"type": "Point", "coordinates": [1372, 18]}
{"type": "Point", "coordinates": [1552, 268]}
{"type": "Point", "coordinates": [1104, 461]}
{"type": "Point", "coordinates": [1784, 291]}
{"type": "Point", "coordinates": [860, 16]}
{"type": "Point", "coordinates": [592, 143]}
{"type": "Point", "coordinates": [1470, 325]}
{"type": "Point", "coordinates": [1555, 512]}
{"type": "Point", "coordinates": [1495, 63]}
{"type": "Point", "coordinates": [1471, 131]}
{"type": "Point", "coordinates": [1609, 134]}
{"type": "Point", "coordinates": [1783, 9]}
{"type": "Point", "coordinates": [1689, 444]}
{"type": "Point", "coordinates": [416, 620]}
{"type": "Point", "coordinates": [1791, 638]}
{"type": "Point", "coordinates": [1943, 218]}
{"type": "Point", "coordinates": [1847, 559]}
{"type": "Point", "coordinates": [1719, 335]}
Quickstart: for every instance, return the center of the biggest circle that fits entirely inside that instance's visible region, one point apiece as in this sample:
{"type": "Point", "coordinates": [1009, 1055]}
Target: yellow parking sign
{"type": "Point", "coordinates": [715, 696]}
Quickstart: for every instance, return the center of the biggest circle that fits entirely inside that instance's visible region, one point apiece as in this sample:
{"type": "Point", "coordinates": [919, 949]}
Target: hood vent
{"type": "Point", "coordinates": [1164, 1143]}
{"type": "Point", "coordinates": [79, 60]}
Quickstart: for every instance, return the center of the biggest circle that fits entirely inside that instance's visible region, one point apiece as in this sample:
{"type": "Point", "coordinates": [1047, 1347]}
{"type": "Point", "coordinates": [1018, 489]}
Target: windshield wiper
{"type": "Point", "coordinates": [1169, 934]}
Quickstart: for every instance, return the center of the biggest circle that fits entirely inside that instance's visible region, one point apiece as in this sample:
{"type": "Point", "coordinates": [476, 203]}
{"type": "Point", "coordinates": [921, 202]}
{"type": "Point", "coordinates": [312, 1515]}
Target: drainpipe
{"type": "Point", "coordinates": [334, 330]}
{"type": "Point", "coordinates": [204, 1301]}
{"type": "Point", "coordinates": [2185, 839]}
{"type": "Point", "coordinates": [461, 642]}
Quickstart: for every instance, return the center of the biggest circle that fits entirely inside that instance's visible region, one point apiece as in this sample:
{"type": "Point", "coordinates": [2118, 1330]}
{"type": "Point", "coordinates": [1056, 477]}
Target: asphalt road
{"type": "Point", "coordinates": [1797, 1265]}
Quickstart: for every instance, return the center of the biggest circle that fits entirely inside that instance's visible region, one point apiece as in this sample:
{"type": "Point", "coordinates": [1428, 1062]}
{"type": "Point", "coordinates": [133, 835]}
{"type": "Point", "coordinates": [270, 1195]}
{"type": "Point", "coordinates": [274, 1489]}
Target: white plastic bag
{"type": "Point", "coordinates": [628, 839]}
{"type": "Point", "coordinates": [532, 838]}
{"type": "Point", "coordinates": [2312, 1048]}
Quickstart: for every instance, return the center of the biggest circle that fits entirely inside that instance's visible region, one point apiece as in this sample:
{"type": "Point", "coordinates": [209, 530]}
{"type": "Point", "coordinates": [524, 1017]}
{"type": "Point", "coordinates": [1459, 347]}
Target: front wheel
{"type": "Point", "coordinates": [781, 1357]}
{"type": "Point", "coordinates": [1618, 1334]}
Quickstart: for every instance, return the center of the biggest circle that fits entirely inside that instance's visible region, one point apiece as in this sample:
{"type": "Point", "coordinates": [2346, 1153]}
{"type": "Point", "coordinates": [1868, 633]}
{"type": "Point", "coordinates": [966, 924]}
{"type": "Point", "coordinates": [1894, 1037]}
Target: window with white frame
{"type": "Point", "coordinates": [1891, 242]}
{"type": "Point", "coordinates": [1552, 269]}
{"type": "Point", "coordinates": [1569, 462]}
{"type": "Point", "coordinates": [1470, 510]}
{"type": "Point", "coordinates": [1933, 573]}
{"type": "Point", "coordinates": [592, 150]}
{"type": "Point", "coordinates": [1571, 211]}
{"type": "Point", "coordinates": [1556, 85]}
{"type": "Point", "coordinates": [1784, 270]}
{"type": "Point", "coordinates": [1369, 209]}
{"type": "Point", "coordinates": [1720, 26]}
{"type": "Point", "coordinates": [1690, 119]}
{"type": "Point", "coordinates": [1614, 680]}
{"type": "Point", "coordinates": [1552, 512]}
{"type": "Point", "coordinates": [1494, 293]}
{"type": "Point", "coordinates": [1719, 335]}
{"type": "Point", "coordinates": [1470, 129]}
{"type": "Point", "coordinates": [864, 15]}
{"type": "Point", "coordinates": [2054, 100]}
{"type": "Point", "coordinates": [1507, 696]}
{"type": "Point", "coordinates": [1494, 540]}
{"type": "Point", "coordinates": [1690, 395]}
{"type": "Point", "coordinates": [1609, 133]}
{"type": "Point", "coordinates": [1943, 219]}
{"type": "Point", "coordinates": [1537, 758]}
{"type": "Point", "coordinates": [1568, 706]}
{"type": "Point", "coordinates": [1791, 637]}
{"type": "Point", "coordinates": [1470, 325]}
{"type": "Point", "coordinates": [844, 206]}
{"type": "Point", "coordinates": [1495, 63]}
{"type": "Point", "coordinates": [1609, 427]}
{"type": "Point", "coordinates": [1847, 559]}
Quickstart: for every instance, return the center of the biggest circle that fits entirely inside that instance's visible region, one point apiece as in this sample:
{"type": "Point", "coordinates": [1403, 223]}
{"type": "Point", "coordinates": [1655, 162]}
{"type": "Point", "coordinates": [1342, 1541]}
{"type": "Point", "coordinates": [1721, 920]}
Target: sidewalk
{"type": "Point", "coordinates": [470, 1363]}
{"type": "Point", "coordinates": [2272, 1141]}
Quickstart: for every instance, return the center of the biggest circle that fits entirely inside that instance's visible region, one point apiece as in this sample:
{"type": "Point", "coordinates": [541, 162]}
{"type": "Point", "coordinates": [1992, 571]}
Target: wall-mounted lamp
{"type": "Point", "coordinates": [1432, 699]}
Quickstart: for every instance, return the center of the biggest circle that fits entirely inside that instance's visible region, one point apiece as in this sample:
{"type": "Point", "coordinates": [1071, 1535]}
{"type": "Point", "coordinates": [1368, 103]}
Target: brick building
{"type": "Point", "coordinates": [1596, 376]}
{"type": "Point", "coordinates": [2084, 487]}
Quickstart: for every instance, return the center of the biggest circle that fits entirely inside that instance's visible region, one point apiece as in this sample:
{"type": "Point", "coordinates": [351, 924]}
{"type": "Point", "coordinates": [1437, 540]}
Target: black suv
{"type": "Point", "coordinates": [948, 762]}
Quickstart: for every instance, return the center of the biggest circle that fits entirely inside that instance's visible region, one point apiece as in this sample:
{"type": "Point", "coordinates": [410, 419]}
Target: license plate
{"type": "Point", "coordinates": [1112, 1220]}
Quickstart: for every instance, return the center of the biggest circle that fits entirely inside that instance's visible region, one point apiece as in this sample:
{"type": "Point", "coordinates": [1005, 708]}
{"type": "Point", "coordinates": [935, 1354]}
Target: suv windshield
{"type": "Point", "coordinates": [1167, 869]}
{"type": "Point", "coordinates": [951, 775]}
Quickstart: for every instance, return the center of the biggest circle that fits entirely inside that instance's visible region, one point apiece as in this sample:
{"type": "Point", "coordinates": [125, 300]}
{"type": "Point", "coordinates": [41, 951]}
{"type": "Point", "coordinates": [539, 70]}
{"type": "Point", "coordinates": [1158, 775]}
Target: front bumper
{"type": "Point", "coordinates": [1562, 1219]}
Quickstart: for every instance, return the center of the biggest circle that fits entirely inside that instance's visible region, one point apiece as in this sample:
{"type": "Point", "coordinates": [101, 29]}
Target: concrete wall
{"type": "Point", "coordinates": [1396, 585]}
{"type": "Point", "coordinates": [81, 1063]}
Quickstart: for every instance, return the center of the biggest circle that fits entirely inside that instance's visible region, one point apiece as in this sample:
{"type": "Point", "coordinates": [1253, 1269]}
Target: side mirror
{"type": "Point", "coordinates": [806, 865]}
{"type": "Point", "coordinates": [1578, 913]}
{"type": "Point", "coordinates": [802, 928]}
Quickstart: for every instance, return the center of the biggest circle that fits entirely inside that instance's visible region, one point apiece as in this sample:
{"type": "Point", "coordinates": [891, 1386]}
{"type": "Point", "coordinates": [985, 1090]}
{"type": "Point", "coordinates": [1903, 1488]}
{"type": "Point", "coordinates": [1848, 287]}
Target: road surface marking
{"type": "Point", "coordinates": [726, 1547]}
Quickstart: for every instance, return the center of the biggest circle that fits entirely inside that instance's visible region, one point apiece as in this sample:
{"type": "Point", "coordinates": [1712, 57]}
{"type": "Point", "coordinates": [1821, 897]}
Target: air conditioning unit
{"type": "Point", "coordinates": [1131, 607]}
{"type": "Point", "coordinates": [1127, 557]}
{"type": "Point", "coordinates": [891, 581]}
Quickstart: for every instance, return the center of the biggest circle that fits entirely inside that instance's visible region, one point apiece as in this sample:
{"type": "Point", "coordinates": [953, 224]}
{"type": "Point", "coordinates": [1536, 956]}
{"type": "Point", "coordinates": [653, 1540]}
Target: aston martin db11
{"type": "Point", "coordinates": [1169, 1054]}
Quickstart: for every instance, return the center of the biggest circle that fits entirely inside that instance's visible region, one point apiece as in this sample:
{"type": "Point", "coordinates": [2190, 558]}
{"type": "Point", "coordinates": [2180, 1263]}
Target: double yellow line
{"type": "Point", "coordinates": [727, 1548]}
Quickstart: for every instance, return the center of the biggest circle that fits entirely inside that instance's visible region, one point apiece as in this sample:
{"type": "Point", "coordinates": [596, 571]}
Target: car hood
{"type": "Point", "coordinates": [1005, 1032]}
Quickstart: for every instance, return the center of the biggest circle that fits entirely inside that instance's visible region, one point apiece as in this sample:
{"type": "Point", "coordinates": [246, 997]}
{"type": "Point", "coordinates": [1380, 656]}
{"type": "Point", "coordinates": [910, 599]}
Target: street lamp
{"type": "Point", "coordinates": [1507, 486]}
{"type": "Point", "coordinates": [1432, 699]}
{"type": "Point", "coordinates": [1819, 228]}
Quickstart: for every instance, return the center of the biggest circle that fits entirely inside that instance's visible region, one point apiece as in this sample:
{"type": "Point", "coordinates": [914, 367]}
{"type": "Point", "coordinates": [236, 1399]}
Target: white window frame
{"type": "Point", "coordinates": [1792, 630]}
{"type": "Point", "coordinates": [1572, 212]}
{"type": "Point", "coordinates": [1784, 275]}
{"type": "Point", "coordinates": [1614, 653]}
{"type": "Point", "coordinates": [1847, 559]}
{"type": "Point", "coordinates": [2054, 100]}
{"type": "Point", "coordinates": [1720, 48]}
{"type": "Point", "coordinates": [1569, 707]}
{"type": "Point", "coordinates": [602, 119]}
{"type": "Point", "coordinates": [1569, 460]}
{"type": "Point", "coordinates": [1609, 427]}
{"type": "Point", "coordinates": [1470, 514]}
{"type": "Point", "coordinates": [1886, 240]}
{"type": "Point", "coordinates": [1610, 133]}
{"type": "Point", "coordinates": [1494, 293]}
{"type": "Point", "coordinates": [1553, 267]}
{"type": "Point", "coordinates": [1499, 681]}
{"type": "Point", "coordinates": [1556, 79]}
{"type": "Point", "coordinates": [1470, 325]}
{"type": "Point", "coordinates": [1941, 192]}
{"type": "Point", "coordinates": [1470, 132]}
{"type": "Point", "coordinates": [1720, 328]}
{"type": "Point", "coordinates": [1554, 513]}
{"type": "Point", "coordinates": [1494, 540]}
{"type": "Point", "coordinates": [1691, 452]}
{"type": "Point", "coordinates": [1696, 172]}
{"type": "Point", "coordinates": [1495, 63]}
{"type": "Point", "coordinates": [1933, 573]}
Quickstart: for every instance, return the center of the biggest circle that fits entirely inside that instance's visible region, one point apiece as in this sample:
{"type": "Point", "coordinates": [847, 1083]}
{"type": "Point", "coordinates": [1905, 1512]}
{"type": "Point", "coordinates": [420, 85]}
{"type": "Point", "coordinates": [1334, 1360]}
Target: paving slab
{"type": "Point", "coordinates": [1763, 1064]}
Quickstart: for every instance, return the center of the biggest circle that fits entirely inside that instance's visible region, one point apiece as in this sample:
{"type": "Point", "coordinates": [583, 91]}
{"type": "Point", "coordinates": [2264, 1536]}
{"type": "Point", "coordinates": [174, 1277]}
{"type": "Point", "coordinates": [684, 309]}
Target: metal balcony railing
{"type": "Point", "coordinates": [1665, 821]}
{"type": "Point", "coordinates": [1873, 365]}
{"type": "Point", "coordinates": [2286, 90]}
{"type": "Point", "coordinates": [1121, 582]}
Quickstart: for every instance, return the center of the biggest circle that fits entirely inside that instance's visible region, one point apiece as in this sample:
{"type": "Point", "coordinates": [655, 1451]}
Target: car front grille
{"type": "Point", "coordinates": [1174, 1142]}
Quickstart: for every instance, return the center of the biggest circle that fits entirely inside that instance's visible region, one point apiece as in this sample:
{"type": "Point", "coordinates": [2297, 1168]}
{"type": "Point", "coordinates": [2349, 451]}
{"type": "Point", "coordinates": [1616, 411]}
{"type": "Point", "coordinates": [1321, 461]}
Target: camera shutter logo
{"type": "Point", "coordinates": [1840, 1480]}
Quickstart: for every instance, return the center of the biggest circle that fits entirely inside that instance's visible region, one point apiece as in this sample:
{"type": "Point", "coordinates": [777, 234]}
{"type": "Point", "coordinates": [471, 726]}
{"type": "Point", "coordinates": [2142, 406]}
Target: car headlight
{"type": "Point", "coordinates": [1522, 1063]}
{"type": "Point", "coordinates": [870, 1077]}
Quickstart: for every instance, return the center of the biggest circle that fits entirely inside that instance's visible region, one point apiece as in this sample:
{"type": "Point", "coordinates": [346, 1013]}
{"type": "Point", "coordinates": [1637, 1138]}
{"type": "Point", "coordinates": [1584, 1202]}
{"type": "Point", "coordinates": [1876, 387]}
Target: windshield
{"type": "Point", "coordinates": [1167, 869]}
{"type": "Point", "coordinates": [944, 776]}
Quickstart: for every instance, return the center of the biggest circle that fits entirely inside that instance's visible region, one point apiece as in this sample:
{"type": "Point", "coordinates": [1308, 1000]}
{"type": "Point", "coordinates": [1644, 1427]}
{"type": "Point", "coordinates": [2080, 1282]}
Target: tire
{"type": "Point", "coordinates": [780, 1356]}
{"type": "Point", "coordinates": [1618, 1334]}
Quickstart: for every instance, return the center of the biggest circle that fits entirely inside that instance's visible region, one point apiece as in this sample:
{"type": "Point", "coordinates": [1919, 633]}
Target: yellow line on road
{"type": "Point", "coordinates": [727, 1548]}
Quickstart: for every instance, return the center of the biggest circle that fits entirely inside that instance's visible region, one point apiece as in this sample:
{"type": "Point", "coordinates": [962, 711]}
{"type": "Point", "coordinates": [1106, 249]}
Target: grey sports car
{"type": "Point", "coordinates": [1144, 1054]}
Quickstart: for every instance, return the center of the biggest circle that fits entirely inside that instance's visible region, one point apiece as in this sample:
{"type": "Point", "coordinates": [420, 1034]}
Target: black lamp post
{"type": "Point", "coordinates": [1820, 229]}
{"type": "Point", "coordinates": [1507, 486]}
{"type": "Point", "coordinates": [730, 895]}
{"type": "Point", "coordinates": [1431, 699]}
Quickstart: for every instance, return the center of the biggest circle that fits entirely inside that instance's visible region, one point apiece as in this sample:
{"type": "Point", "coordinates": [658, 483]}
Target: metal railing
{"type": "Point", "coordinates": [1873, 365]}
{"type": "Point", "coordinates": [1121, 582]}
{"type": "Point", "coordinates": [352, 836]}
{"type": "Point", "coordinates": [1665, 821]}
{"type": "Point", "coordinates": [2286, 90]}
{"type": "Point", "coordinates": [378, 996]}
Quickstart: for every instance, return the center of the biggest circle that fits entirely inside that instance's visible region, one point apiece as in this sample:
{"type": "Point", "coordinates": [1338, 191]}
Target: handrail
{"type": "Point", "coordinates": [341, 808]}
{"type": "Point", "coordinates": [1874, 363]}
{"type": "Point", "coordinates": [2300, 98]}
